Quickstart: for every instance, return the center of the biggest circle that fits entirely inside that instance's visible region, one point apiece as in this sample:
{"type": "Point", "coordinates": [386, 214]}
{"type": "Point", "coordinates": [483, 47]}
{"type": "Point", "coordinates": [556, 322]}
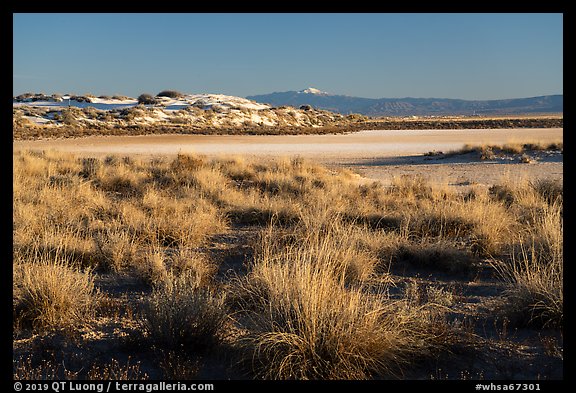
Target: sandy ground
{"type": "Point", "coordinates": [460, 175]}
{"type": "Point", "coordinates": [375, 154]}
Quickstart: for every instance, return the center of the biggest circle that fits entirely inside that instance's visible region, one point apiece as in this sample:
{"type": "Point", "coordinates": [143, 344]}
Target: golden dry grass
{"type": "Point", "coordinates": [182, 315]}
{"type": "Point", "coordinates": [310, 315]}
{"type": "Point", "coordinates": [488, 152]}
{"type": "Point", "coordinates": [314, 301]}
{"type": "Point", "coordinates": [49, 292]}
{"type": "Point", "coordinates": [535, 270]}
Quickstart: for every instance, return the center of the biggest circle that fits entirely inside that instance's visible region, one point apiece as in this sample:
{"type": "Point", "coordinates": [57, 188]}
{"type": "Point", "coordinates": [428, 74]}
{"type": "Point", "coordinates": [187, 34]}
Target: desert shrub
{"type": "Point", "coordinates": [177, 223]}
{"type": "Point", "coordinates": [84, 98]}
{"type": "Point", "coordinates": [147, 99]}
{"type": "Point", "coordinates": [18, 120]}
{"type": "Point", "coordinates": [187, 162]}
{"type": "Point", "coordinates": [551, 190]}
{"type": "Point", "coordinates": [556, 146]}
{"type": "Point", "coordinates": [489, 152]}
{"type": "Point", "coordinates": [91, 112]}
{"type": "Point", "coordinates": [536, 295]}
{"type": "Point", "coordinates": [69, 116]}
{"type": "Point", "coordinates": [107, 116]}
{"type": "Point", "coordinates": [134, 112]}
{"type": "Point", "coordinates": [323, 241]}
{"type": "Point", "coordinates": [124, 186]}
{"type": "Point", "coordinates": [50, 293]}
{"type": "Point", "coordinates": [307, 326]}
{"type": "Point", "coordinates": [151, 267]}
{"type": "Point", "coordinates": [182, 315]}
{"type": "Point", "coordinates": [23, 97]}
{"type": "Point", "coordinates": [238, 169]}
{"type": "Point", "coordinates": [191, 262]}
{"type": "Point", "coordinates": [504, 193]}
{"type": "Point", "coordinates": [169, 93]}
{"type": "Point", "coordinates": [513, 148]}
{"type": "Point", "coordinates": [486, 153]}
{"type": "Point", "coordinates": [120, 97]}
{"type": "Point", "coordinates": [90, 166]}
{"type": "Point", "coordinates": [539, 146]}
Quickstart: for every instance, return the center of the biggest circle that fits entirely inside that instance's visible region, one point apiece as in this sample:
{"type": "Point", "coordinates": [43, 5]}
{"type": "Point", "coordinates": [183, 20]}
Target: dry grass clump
{"type": "Point", "coordinates": [157, 264]}
{"type": "Point", "coordinates": [535, 271]}
{"type": "Point", "coordinates": [531, 259]}
{"type": "Point", "coordinates": [49, 292]}
{"type": "Point", "coordinates": [551, 190]}
{"type": "Point", "coordinates": [527, 200]}
{"type": "Point", "coordinates": [182, 315]}
{"type": "Point", "coordinates": [536, 297]}
{"type": "Point", "coordinates": [256, 194]}
{"type": "Point", "coordinates": [307, 319]}
{"type": "Point", "coordinates": [346, 248]}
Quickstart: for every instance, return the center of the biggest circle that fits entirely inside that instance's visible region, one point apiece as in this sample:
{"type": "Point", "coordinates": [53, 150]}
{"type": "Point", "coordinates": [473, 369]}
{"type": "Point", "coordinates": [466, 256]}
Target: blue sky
{"type": "Point", "coordinates": [467, 56]}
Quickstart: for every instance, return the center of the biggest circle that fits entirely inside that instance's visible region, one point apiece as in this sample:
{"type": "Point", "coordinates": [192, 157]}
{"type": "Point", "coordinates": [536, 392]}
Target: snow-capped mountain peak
{"type": "Point", "coordinates": [312, 90]}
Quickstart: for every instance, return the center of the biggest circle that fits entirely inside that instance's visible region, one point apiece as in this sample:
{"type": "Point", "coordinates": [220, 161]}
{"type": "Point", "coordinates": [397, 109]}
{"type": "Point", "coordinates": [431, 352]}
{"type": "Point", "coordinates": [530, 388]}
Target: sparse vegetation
{"type": "Point", "coordinates": [29, 369]}
{"type": "Point", "coordinates": [211, 115]}
{"type": "Point", "coordinates": [271, 269]}
{"type": "Point", "coordinates": [535, 270]}
{"type": "Point", "coordinates": [169, 93]}
{"type": "Point", "coordinates": [147, 99]}
{"type": "Point", "coordinates": [489, 152]}
{"type": "Point", "coordinates": [69, 116]}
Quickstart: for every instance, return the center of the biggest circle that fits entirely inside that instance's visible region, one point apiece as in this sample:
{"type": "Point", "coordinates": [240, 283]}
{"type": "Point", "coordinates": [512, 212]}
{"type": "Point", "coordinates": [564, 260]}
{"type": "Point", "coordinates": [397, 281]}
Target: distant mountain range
{"type": "Point", "coordinates": [411, 106]}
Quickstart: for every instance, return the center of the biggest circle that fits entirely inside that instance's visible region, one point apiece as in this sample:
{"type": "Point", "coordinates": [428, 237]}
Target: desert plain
{"type": "Point", "coordinates": [376, 254]}
{"type": "Point", "coordinates": [373, 154]}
